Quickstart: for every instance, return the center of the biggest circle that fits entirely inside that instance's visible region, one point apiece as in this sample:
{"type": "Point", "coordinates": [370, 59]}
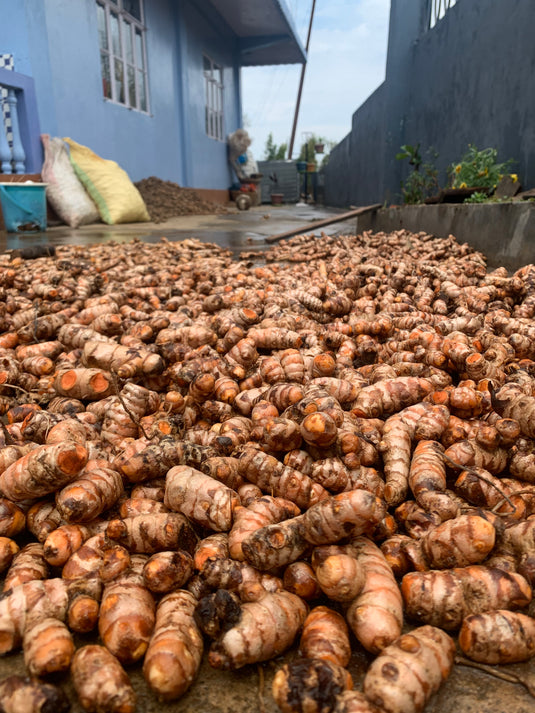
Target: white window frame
{"type": "Point", "coordinates": [214, 118]}
{"type": "Point", "coordinates": [127, 23]}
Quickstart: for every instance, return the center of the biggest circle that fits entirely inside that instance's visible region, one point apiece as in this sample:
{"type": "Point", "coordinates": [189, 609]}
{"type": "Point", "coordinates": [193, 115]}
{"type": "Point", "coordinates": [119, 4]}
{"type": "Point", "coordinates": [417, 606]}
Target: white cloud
{"type": "Point", "coordinates": [346, 64]}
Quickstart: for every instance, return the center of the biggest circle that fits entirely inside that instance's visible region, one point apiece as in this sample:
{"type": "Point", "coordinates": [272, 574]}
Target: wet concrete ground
{"type": "Point", "coordinates": [236, 231]}
{"type": "Point", "coordinates": [249, 690]}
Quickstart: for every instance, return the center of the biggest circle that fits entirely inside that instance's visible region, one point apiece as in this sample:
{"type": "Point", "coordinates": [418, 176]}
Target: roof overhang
{"type": "Point", "coordinates": [265, 31]}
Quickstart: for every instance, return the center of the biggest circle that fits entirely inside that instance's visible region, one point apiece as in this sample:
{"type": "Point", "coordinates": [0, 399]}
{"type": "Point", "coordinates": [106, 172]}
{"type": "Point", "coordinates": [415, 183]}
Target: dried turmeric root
{"type": "Point", "coordinates": [101, 683]}
{"type": "Point", "coordinates": [498, 637]}
{"type": "Point", "coordinates": [266, 629]}
{"type": "Point", "coordinates": [175, 649]}
{"type": "Point", "coordinates": [407, 673]}
{"type": "Point", "coordinates": [29, 695]}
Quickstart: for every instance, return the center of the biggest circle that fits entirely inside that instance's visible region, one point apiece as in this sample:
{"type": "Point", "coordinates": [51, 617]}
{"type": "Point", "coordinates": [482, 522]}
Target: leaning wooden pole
{"type": "Point", "coordinates": [299, 91]}
{"type": "Point", "coordinates": [322, 223]}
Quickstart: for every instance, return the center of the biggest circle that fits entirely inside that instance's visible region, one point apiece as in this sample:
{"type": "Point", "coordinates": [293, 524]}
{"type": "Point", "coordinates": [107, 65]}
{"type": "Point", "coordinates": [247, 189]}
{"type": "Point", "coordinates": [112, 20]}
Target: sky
{"type": "Point", "coordinates": [346, 63]}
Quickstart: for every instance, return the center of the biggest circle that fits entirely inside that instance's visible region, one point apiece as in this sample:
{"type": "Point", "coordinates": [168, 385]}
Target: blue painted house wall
{"type": "Point", "coordinates": [56, 43]}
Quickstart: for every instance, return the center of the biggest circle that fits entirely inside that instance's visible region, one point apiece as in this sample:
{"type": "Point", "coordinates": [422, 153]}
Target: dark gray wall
{"type": "Point", "coordinates": [468, 80]}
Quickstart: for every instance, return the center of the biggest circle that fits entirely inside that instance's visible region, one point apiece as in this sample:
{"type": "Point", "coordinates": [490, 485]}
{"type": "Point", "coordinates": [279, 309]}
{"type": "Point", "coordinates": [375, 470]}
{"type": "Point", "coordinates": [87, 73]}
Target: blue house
{"type": "Point", "coordinates": [152, 84]}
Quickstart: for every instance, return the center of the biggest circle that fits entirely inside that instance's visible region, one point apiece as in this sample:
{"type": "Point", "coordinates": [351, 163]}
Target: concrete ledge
{"type": "Point", "coordinates": [504, 232]}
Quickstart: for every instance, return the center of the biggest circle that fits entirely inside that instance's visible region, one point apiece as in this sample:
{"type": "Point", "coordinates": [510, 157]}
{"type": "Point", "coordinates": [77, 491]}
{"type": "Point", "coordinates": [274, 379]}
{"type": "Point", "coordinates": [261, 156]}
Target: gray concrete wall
{"type": "Point", "coordinates": [504, 232]}
{"type": "Point", "coordinates": [467, 80]}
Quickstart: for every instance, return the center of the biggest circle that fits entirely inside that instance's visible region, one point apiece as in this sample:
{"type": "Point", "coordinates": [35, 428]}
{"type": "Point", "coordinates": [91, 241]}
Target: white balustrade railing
{"type": "Point", "coordinates": [20, 148]}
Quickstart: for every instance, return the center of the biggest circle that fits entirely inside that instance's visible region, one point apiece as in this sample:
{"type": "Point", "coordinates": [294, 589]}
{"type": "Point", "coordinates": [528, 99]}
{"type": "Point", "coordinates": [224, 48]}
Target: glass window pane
{"type": "Point", "coordinates": [119, 81]}
{"type": "Point", "coordinates": [115, 38]}
{"type": "Point", "coordinates": [140, 60]}
{"type": "Point", "coordinates": [105, 72]}
{"type": "Point", "coordinates": [206, 64]}
{"type": "Point", "coordinates": [220, 136]}
{"type": "Point", "coordinates": [102, 31]}
{"type": "Point", "coordinates": [129, 47]}
{"type": "Point", "coordinates": [131, 86]}
{"type": "Point", "coordinates": [142, 86]}
{"type": "Point", "coordinates": [219, 75]}
{"type": "Point", "coordinates": [133, 7]}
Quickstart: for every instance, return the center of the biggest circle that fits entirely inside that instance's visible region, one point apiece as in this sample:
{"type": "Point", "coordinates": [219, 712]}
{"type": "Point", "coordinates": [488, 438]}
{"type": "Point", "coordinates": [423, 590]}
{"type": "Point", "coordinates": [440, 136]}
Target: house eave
{"type": "Point", "coordinates": [264, 30]}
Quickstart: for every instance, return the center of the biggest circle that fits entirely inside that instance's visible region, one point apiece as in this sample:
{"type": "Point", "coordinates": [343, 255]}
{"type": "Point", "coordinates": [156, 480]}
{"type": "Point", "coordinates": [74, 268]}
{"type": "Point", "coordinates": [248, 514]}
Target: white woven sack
{"type": "Point", "coordinates": [64, 191]}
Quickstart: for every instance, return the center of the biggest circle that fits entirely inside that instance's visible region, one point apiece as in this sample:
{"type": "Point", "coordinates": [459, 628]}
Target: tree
{"type": "Point", "coordinates": [272, 152]}
{"type": "Point", "coordinates": [308, 150]}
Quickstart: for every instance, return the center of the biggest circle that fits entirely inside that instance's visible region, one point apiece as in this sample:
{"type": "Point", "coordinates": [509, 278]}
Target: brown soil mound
{"type": "Point", "coordinates": [165, 199]}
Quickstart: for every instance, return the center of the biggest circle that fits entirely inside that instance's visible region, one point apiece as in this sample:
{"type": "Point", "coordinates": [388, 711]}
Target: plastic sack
{"type": "Point", "coordinates": [116, 197]}
{"type": "Point", "coordinates": [64, 191]}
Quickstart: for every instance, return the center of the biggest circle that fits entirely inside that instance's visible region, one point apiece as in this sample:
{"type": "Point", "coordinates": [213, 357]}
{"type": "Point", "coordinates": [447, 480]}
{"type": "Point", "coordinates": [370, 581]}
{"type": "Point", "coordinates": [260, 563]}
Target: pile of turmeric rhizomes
{"type": "Point", "coordinates": [333, 447]}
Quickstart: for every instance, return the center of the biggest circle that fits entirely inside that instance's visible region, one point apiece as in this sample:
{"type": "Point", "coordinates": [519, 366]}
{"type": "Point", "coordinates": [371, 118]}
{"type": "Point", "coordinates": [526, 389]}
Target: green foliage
{"type": "Point", "coordinates": [308, 151]}
{"type": "Point", "coordinates": [477, 197]}
{"type": "Point", "coordinates": [478, 168]}
{"type": "Point", "coordinates": [422, 182]}
{"type": "Point", "coordinates": [412, 153]}
{"type": "Point", "coordinates": [272, 152]}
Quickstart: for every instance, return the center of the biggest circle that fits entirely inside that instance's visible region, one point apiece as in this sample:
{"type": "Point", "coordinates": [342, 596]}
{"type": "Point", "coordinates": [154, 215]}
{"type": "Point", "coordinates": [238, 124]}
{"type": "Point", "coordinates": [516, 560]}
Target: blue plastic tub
{"type": "Point", "coordinates": [23, 206]}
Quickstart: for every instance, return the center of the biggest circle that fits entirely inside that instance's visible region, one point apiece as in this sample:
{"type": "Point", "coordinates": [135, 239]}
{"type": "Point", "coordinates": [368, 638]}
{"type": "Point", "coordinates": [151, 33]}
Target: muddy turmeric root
{"type": "Point", "coordinates": [42, 471]}
{"type": "Point", "coordinates": [201, 498]}
{"type": "Point", "coordinates": [126, 618]}
{"type": "Point", "coordinates": [407, 673]}
{"type": "Point", "coordinates": [266, 629]}
{"type": "Point", "coordinates": [48, 647]}
{"type": "Point", "coordinates": [325, 636]}
{"type": "Point", "coordinates": [259, 513]}
{"type": "Point", "coordinates": [376, 615]}
{"type": "Point", "coordinates": [96, 489]}
{"type": "Point", "coordinates": [309, 684]}
{"type": "Point", "coordinates": [347, 514]}
{"type": "Point", "coordinates": [124, 361]}
{"type": "Point", "coordinates": [101, 683]}
{"type": "Point", "coordinates": [28, 564]}
{"type": "Point", "coordinates": [29, 695]}
{"type": "Point", "coordinates": [175, 649]}
{"type": "Point", "coordinates": [445, 597]}
{"type": "Point", "coordinates": [8, 549]}
{"type": "Point", "coordinates": [498, 637]}
{"type": "Point", "coordinates": [22, 607]}
{"type": "Point", "coordinates": [166, 571]}
{"type": "Point", "coordinates": [147, 534]}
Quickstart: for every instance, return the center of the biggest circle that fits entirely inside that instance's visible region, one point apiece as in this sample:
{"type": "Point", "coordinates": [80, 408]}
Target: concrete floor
{"type": "Point", "coordinates": [236, 231]}
{"type": "Point", "coordinates": [249, 690]}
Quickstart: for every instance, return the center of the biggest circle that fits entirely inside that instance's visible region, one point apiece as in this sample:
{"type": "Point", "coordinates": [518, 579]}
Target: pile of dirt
{"type": "Point", "coordinates": [165, 199]}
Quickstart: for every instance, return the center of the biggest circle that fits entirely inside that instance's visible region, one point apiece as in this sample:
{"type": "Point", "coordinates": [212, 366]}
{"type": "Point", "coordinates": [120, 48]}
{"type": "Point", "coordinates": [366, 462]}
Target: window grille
{"type": "Point", "coordinates": [437, 10]}
{"type": "Point", "coordinates": [123, 61]}
{"type": "Point", "coordinates": [213, 88]}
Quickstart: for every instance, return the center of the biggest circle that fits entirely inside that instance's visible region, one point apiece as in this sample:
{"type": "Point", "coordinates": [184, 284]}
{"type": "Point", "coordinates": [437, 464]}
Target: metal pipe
{"type": "Point", "coordinates": [299, 91]}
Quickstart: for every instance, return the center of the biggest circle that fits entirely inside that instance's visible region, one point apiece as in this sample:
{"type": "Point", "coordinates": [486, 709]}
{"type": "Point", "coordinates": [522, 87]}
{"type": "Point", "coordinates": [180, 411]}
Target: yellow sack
{"type": "Point", "coordinates": [116, 197]}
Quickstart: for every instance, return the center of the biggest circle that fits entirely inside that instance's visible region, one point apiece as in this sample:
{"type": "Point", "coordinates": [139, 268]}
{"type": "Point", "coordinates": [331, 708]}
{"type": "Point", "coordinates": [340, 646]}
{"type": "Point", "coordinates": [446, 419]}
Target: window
{"type": "Point", "coordinates": [213, 88]}
{"type": "Point", "coordinates": [437, 10]}
{"type": "Point", "coordinates": [123, 66]}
